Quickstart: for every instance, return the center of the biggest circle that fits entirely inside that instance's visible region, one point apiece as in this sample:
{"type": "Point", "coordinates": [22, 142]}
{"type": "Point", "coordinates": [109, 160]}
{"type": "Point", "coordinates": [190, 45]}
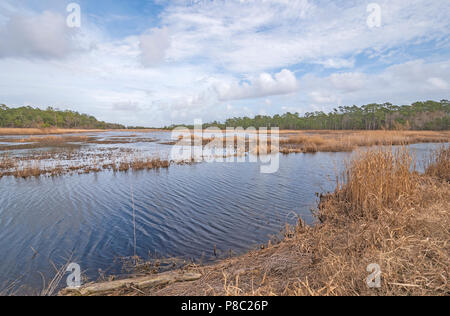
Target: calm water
{"type": "Point", "coordinates": [180, 212]}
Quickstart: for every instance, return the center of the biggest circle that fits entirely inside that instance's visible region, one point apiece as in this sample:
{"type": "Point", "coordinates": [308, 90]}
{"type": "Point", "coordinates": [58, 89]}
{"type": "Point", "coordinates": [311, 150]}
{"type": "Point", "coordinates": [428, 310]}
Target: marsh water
{"type": "Point", "coordinates": [185, 211]}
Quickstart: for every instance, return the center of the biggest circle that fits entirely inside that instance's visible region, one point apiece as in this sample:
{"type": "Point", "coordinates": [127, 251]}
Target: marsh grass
{"type": "Point", "coordinates": [377, 179]}
{"type": "Point", "coordinates": [438, 165]}
{"type": "Point", "coordinates": [386, 213]}
{"type": "Point", "coordinates": [6, 162]}
{"type": "Point", "coordinates": [340, 141]}
{"type": "Point", "coordinates": [138, 164]}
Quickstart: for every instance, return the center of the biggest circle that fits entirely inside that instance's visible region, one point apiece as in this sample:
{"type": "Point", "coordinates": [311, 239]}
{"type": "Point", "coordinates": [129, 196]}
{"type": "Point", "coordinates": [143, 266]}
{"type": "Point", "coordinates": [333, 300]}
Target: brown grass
{"type": "Point", "coordinates": [347, 141]}
{"type": "Point", "coordinates": [7, 162]}
{"type": "Point", "coordinates": [192, 140]}
{"type": "Point", "coordinates": [142, 164]}
{"type": "Point", "coordinates": [375, 180]}
{"type": "Point", "coordinates": [439, 164]}
{"type": "Point", "coordinates": [382, 212]}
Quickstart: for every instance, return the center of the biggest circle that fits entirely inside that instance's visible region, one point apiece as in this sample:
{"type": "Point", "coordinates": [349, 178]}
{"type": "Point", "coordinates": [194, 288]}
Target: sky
{"type": "Point", "coordinates": [157, 63]}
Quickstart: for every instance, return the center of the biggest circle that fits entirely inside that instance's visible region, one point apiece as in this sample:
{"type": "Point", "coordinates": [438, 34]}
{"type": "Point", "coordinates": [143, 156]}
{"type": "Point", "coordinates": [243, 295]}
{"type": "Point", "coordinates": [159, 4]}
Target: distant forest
{"type": "Point", "coordinates": [429, 115]}
{"type": "Point", "coordinates": [28, 117]}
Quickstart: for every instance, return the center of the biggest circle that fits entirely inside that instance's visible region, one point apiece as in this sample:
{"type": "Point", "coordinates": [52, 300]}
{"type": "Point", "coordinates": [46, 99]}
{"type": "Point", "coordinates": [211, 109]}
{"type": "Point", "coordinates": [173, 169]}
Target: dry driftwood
{"type": "Point", "coordinates": [140, 283]}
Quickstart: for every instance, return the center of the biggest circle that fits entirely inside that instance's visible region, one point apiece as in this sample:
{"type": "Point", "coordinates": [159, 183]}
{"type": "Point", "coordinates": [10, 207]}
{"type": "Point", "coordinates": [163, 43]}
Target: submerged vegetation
{"type": "Point", "coordinates": [79, 162]}
{"type": "Point", "coordinates": [398, 220]}
{"type": "Point", "coordinates": [71, 154]}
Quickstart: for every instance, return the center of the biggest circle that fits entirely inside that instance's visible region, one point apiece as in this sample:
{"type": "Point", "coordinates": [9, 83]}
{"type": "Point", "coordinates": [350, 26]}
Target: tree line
{"type": "Point", "coordinates": [429, 115]}
{"type": "Point", "coordinates": [28, 117]}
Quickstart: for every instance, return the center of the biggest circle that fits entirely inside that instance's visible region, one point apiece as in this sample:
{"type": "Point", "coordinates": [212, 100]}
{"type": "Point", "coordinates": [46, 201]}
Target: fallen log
{"type": "Point", "coordinates": [141, 283]}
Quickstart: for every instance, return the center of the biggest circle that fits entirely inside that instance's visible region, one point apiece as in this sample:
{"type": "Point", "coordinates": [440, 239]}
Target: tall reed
{"type": "Point", "coordinates": [377, 179]}
{"type": "Point", "coordinates": [439, 164]}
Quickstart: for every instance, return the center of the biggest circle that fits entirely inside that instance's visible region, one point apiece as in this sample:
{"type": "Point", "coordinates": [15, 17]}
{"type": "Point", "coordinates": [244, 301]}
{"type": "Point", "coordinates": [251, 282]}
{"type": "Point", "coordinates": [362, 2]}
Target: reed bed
{"type": "Point", "coordinates": [339, 141]}
{"type": "Point", "coordinates": [193, 140]}
{"type": "Point", "coordinates": [382, 212]}
{"type": "Point", "coordinates": [375, 180]}
{"type": "Point", "coordinates": [6, 162]}
{"type": "Point", "coordinates": [142, 164]}
{"type": "Point", "coordinates": [439, 164]}
{"type": "Point", "coordinates": [385, 213]}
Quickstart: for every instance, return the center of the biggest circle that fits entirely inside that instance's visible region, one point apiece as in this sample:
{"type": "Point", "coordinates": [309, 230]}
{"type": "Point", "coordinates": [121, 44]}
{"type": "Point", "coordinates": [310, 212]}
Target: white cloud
{"type": "Point", "coordinates": [153, 44]}
{"type": "Point", "coordinates": [438, 83]}
{"type": "Point", "coordinates": [348, 82]}
{"type": "Point", "coordinates": [257, 36]}
{"type": "Point", "coordinates": [322, 97]}
{"type": "Point", "coordinates": [400, 84]}
{"type": "Point", "coordinates": [337, 63]}
{"type": "Point", "coordinates": [264, 85]}
{"type": "Point", "coordinates": [43, 36]}
{"type": "Point", "coordinates": [126, 107]}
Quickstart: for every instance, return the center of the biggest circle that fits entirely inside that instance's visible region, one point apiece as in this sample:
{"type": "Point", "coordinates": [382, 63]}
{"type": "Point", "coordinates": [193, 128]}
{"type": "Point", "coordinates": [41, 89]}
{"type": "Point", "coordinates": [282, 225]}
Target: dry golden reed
{"type": "Point", "coordinates": [439, 164]}
{"type": "Point", "coordinates": [347, 141]}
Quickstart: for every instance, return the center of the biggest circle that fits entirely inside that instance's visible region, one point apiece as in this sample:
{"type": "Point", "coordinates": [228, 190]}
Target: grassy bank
{"type": "Point", "coordinates": [382, 212]}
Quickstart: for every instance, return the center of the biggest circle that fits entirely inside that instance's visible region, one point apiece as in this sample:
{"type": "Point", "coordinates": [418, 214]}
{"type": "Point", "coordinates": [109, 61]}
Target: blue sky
{"type": "Point", "coordinates": [160, 62]}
